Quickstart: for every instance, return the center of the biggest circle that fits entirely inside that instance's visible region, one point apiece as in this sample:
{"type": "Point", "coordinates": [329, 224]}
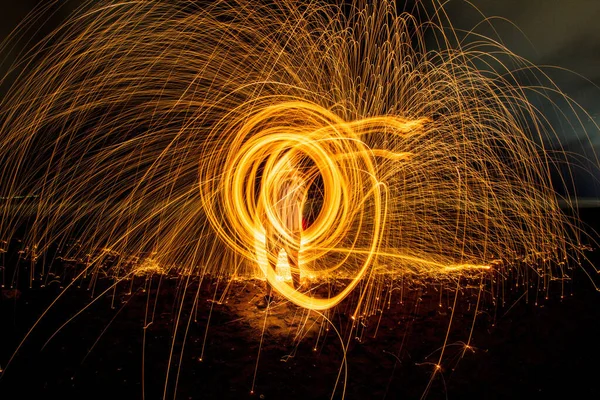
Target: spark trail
{"type": "Point", "coordinates": [151, 127]}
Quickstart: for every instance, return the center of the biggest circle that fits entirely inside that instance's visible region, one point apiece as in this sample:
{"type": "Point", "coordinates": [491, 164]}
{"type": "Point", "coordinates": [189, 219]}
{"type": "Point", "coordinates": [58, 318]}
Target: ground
{"type": "Point", "coordinates": [119, 345]}
{"type": "Point", "coordinates": [526, 352]}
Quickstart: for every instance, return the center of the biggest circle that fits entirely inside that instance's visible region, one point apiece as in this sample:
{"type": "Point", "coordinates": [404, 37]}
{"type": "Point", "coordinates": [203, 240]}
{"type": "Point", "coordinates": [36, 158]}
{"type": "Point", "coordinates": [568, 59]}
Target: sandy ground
{"type": "Point", "coordinates": [225, 346]}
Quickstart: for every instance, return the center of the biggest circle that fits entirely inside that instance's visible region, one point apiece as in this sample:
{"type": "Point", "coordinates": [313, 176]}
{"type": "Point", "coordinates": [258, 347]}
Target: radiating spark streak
{"type": "Point", "coordinates": [451, 145]}
{"type": "Point", "coordinates": [166, 128]}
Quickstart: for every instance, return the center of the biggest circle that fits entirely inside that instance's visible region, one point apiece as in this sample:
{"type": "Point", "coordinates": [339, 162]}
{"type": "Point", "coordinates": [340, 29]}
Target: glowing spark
{"type": "Point", "coordinates": [150, 127]}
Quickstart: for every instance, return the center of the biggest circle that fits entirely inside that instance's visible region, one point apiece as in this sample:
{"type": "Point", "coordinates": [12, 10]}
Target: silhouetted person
{"type": "Point", "coordinates": [287, 233]}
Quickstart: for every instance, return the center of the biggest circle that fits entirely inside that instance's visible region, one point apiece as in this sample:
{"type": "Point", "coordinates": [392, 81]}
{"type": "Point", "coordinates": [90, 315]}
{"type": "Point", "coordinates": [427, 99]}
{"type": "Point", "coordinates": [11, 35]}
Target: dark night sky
{"type": "Point", "coordinates": [560, 33]}
{"type": "Point", "coordinates": [563, 33]}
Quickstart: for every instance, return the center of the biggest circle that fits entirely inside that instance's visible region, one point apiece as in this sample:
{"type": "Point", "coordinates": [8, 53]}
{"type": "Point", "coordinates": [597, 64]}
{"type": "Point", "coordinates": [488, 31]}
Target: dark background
{"type": "Point", "coordinates": [561, 36]}
{"type": "Point", "coordinates": [546, 351]}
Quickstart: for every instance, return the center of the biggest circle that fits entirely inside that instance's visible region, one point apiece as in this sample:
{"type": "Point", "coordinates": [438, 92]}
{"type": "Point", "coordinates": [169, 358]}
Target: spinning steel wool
{"type": "Point", "coordinates": [164, 129]}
